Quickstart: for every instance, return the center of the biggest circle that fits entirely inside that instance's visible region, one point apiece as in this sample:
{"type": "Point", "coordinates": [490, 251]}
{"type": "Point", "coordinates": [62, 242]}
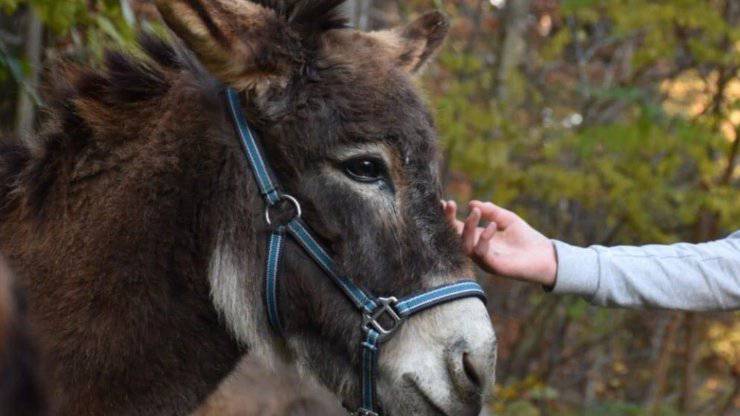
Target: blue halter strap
{"type": "Point", "coordinates": [372, 308]}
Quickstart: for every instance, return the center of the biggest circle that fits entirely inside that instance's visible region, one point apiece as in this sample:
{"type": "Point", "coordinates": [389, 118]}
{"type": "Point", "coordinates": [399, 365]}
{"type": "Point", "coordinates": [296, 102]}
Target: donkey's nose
{"type": "Point", "coordinates": [470, 370]}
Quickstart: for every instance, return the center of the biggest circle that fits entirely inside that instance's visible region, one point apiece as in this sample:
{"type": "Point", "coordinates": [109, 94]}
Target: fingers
{"type": "Point", "coordinates": [484, 242]}
{"type": "Point", "coordinates": [494, 213]}
{"type": "Point", "coordinates": [470, 234]}
{"type": "Point", "coordinates": [450, 209]}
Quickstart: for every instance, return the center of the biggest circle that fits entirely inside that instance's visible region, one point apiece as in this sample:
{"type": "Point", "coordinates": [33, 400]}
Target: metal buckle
{"type": "Point", "coordinates": [385, 306]}
{"type": "Point", "coordinates": [365, 412]}
{"type": "Point", "coordinates": [292, 200]}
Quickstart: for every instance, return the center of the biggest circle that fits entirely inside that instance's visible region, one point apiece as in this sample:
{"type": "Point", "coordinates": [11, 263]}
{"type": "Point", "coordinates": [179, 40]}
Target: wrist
{"type": "Point", "coordinates": [577, 269]}
{"type": "Point", "coordinates": [549, 271]}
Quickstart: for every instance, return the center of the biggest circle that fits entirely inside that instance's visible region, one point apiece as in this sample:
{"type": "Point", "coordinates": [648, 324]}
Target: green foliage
{"type": "Point", "coordinates": [642, 170]}
{"type": "Point", "coordinates": [91, 26]}
{"type": "Point", "coordinates": [62, 17]}
{"type": "Point", "coordinates": [81, 28]}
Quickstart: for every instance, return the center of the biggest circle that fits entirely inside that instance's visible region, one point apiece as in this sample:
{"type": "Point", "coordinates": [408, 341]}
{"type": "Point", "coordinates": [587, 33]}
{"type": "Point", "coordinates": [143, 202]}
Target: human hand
{"type": "Point", "coordinates": [508, 246]}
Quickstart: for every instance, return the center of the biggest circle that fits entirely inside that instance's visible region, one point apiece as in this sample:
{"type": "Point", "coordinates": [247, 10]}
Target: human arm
{"type": "Point", "coordinates": [681, 276]}
{"type": "Point", "coordinates": [696, 277]}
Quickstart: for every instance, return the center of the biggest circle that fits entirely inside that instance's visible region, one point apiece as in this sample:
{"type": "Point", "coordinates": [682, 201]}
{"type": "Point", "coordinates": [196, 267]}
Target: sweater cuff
{"type": "Point", "coordinates": [578, 270]}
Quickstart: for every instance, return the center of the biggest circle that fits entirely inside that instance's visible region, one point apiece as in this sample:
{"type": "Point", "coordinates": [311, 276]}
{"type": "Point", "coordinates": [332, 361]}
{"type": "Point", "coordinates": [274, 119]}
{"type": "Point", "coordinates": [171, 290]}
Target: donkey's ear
{"type": "Point", "coordinates": [244, 44]}
{"type": "Point", "coordinates": [419, 40]}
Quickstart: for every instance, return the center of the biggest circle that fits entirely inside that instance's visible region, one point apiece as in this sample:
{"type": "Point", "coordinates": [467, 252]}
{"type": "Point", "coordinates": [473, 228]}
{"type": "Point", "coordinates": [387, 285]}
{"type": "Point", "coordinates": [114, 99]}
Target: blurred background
{"type": "Point", "coordinates": [600, 122]}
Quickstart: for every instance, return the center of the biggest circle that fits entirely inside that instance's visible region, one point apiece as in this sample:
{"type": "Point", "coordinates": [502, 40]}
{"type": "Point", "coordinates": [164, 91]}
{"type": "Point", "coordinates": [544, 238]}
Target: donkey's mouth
{"type": "Point", "coordinates": [436, 409]}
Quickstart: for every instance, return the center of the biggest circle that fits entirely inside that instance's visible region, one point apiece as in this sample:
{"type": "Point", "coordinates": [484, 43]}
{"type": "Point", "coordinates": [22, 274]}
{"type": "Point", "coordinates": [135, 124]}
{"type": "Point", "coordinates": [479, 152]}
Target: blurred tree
{"type": "Point", "coordinates": [75, 29]}
{"type": "Point", "coordinates": [26, 113]}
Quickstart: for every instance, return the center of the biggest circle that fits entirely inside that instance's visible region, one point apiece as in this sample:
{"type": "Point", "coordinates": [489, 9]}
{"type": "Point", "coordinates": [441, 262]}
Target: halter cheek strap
{"type": "Point", "coordinates": [372, 308]}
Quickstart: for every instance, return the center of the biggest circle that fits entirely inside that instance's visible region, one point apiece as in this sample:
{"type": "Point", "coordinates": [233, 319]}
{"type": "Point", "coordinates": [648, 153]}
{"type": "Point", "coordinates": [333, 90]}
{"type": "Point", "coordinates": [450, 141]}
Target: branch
{"type": "Point", "coordinates": [732, 158]}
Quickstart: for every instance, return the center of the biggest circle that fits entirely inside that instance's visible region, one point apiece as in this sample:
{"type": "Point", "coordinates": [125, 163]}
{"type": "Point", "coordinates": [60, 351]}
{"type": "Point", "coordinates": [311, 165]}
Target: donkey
{"type": "Point", "coordinates": [138, 232]}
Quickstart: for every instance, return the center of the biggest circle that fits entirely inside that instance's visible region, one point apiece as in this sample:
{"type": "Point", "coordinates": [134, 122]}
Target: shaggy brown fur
{"type": "Point", "coordinates": [112, 217]}
{"type": "Point", "coordinates": [107, 222]}
{"type": "Point", "coordinates": [253, 390]}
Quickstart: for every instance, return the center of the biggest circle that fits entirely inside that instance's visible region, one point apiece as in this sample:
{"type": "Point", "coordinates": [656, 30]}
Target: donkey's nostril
{"type": "Point", "coordinates": [471, 372]}
{"type": "Point", "coordinates": [468, 371]}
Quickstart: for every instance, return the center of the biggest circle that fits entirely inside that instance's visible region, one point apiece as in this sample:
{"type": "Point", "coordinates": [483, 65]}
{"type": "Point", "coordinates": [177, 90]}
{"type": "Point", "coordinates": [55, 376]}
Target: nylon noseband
{"type": "Point", "coordinates": [372, 308]}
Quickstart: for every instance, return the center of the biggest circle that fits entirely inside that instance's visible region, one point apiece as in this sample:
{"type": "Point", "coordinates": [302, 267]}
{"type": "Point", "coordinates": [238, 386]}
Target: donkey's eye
{"type": "Point", "coordinates": [364, 169]}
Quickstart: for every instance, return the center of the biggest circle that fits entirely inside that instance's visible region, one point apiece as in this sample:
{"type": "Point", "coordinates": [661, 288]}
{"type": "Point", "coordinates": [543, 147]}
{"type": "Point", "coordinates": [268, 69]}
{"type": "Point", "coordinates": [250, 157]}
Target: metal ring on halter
{"type": "Point", "coordinates": [385, 308]}
{"type": "Point", "coordinates": [295, 203]}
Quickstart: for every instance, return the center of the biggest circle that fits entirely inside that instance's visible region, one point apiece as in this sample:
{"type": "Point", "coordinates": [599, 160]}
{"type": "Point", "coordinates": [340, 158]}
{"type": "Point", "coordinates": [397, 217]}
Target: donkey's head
{"type": "Point", "coordinates": [347, 134]}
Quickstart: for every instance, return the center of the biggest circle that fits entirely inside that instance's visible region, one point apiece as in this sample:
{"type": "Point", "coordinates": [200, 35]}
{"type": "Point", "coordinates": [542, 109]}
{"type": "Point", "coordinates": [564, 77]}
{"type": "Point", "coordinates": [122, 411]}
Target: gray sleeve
{"type": "Point", "coordinates": [697, 277]}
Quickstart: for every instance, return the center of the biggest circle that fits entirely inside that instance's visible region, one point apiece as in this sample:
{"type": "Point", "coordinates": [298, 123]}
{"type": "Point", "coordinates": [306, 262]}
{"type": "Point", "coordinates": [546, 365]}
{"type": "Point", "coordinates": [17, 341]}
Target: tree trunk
{"type": "Point", "coordinates": [128, 13]}
{"type": "Point", "coordinates": [26, 109]}
{"type": "Point", "coordinates": [513, 45]}
{"type": "Point", "coordinates": [518, 364]}
{"type": "Point", "coordinates": [594, 375]}
{"type": "Point", "coordinates": [729, 406]}
{"type": "Point", "coordinates": [732, 157]}
{"type": "Point", "coordinates": [663, 363]}
{"type": "Point", "coordinates": [477, 19]}
{"type": "Point", "coordinates": [359, 13]}
{"type": "Point", "coordinates": [690, 362]}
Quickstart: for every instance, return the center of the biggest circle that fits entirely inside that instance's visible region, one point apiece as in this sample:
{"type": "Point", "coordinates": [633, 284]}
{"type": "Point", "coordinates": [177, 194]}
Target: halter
{"type": "Point", "coordinates": [372, 308]}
